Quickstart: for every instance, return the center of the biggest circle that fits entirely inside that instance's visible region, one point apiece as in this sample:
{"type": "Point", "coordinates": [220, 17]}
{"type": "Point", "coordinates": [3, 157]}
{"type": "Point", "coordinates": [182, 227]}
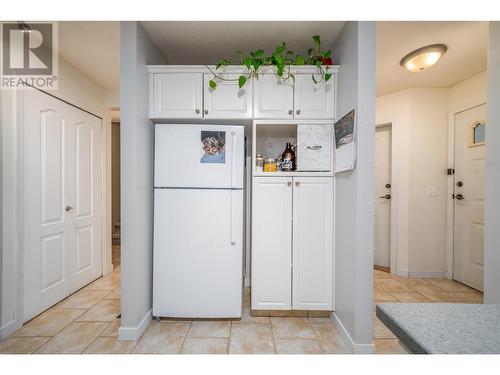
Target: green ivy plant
{"type": "Point", "coordinates": [282, 58]}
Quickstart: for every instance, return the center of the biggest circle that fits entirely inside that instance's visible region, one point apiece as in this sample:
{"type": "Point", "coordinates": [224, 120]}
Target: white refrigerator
{"type": "Point", "coordinates": [198, 221]}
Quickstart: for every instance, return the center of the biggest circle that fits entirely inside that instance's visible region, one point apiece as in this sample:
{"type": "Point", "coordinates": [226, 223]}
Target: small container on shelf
{"type": "Point", "coordinates": [259, 163]}
{"type": "Point", "coordinates": [270, 165]}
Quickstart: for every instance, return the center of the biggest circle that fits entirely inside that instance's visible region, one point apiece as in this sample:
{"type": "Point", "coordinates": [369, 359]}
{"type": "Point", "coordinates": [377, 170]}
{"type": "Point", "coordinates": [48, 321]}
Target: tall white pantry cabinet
{"type": "Point", "coordinates": [292, 212]}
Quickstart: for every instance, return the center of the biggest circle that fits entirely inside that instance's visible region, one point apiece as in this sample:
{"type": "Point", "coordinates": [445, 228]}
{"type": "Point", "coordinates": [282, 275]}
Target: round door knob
{"type": "Point", "coordinates": [206, 111]}
{"type": "Point", "coordinates": [197, 111]}
{"type": "Point", "coordinates": [290, 112]}
{"type": "Point", "coordinates": [68, 208]}
{"type": "Point", "coordinates": [297, 111]}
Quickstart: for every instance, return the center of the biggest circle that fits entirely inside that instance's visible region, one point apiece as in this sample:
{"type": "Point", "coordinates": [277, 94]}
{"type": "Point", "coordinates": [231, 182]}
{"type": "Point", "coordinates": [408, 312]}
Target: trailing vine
{"type": "Point", "coordinates": [282, 58]}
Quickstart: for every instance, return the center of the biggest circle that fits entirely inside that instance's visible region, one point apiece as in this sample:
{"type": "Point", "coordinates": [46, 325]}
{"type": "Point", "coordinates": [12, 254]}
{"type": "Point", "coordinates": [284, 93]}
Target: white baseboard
{"type": "Point", "coordinates": [402, 273]}
{"type": "Point", "coordinates": [135, 333]}
{"type": "Point", "coordinates": [8, 329]}
{"type": "Point", "coordinates": [351, 345]}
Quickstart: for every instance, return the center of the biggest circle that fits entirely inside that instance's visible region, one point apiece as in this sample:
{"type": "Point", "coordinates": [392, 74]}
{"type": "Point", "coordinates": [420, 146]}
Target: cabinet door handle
{"type": "Point", "coordinates": [297, 111]}
{"type": "Point", "coordinates": [289, 183]}
{"type": "Point", "coordinates": [297, 183]}
{"type": "Point", "coordinates": [197, 111]}
{"type": "Point", "coordinates": [290, 112]}
{"type": "Point", "coordinates": [206, 111]}
{"type": "Point", "coordinates": [314, 147]}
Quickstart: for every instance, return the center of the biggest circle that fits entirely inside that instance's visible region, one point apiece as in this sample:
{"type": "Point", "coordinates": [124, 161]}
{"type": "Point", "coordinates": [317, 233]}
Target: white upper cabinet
{"type": "Point", "coordinates": [273, 97]}
{"type": "Point", "coordinates": [227, 100]}
{"type": "Point", "coordinates": [176, 95]}
{"type": "Point", "coordinates": [314, 100]}
{"type": "Point", "coordinates": [312, 243]}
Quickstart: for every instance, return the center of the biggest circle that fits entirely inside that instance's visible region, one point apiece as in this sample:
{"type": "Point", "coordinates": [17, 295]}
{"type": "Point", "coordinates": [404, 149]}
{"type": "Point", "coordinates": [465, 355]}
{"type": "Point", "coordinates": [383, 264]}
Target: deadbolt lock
{"type": "Point", "coordinates": [460, 184]}
{"type": "Point", "coordinates": [388, 186]}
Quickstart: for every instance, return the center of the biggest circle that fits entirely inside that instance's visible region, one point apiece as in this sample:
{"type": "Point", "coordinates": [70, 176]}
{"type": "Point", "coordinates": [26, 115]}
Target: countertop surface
{"type": "Point", "coordinates": [444, 328]}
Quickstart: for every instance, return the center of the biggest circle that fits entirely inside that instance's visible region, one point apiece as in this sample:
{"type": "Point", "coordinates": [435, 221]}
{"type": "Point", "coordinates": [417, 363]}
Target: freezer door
{"type": "Point", "coordinates": [205, 156]}
{"type": "Point", "coordinates": [198, 253]}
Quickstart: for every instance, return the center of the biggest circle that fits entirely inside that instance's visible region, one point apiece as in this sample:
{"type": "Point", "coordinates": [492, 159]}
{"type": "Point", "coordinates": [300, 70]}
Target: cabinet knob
{"type": "Point", "coordinates": [290, 112]}
{"type": "Point", "coordinates": [297, 183]}
{"type": "Point", "coordinates": [289, 183]}
{"type": "Point", "coordinates": [297, 111]}
{"type": "Point", "coordinates": [197, 111]}
{"type": "Point", "coordinates": [206, 111]}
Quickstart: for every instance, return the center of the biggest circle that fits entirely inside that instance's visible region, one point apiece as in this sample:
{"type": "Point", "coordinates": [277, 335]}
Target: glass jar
{"type": "Point", "coordinates": [259, 163]}
{"type": "Point", "coordinates": [270, 165]}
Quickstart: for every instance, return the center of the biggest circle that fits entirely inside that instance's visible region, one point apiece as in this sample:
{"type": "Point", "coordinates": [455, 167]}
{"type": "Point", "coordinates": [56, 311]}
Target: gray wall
{"type": "Point", "coordinates": [136, 140]}
{"type": "Point", "coordinates": [354, 51]}
{"type": "Point", "coordinates": [492, 188]}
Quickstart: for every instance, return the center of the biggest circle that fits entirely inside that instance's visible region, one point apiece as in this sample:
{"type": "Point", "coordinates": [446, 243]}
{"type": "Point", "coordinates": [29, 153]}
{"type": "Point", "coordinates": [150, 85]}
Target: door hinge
{"type": "Point", "coordinates": [450, 171]}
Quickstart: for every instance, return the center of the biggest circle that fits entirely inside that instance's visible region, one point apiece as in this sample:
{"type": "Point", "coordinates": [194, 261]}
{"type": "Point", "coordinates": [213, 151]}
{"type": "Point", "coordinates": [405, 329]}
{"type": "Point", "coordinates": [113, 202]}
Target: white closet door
{"type": "Point", "coordinates": [61, 163]}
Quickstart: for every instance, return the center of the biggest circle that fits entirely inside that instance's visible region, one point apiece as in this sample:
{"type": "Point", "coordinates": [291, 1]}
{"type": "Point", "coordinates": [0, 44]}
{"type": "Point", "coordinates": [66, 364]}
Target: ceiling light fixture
{"type": "Point", "coordinates": [423, 58]}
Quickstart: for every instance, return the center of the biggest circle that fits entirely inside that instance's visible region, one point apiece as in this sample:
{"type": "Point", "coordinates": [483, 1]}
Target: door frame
{"type": "Point", "coordinates": [450, 186]}
{"type": "Point", "coordinates": [394, 194]}
{"type": "Point", "coordinates": [18, 203]}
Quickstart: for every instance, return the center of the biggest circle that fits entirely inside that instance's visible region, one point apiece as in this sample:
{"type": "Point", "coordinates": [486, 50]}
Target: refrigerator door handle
{"type": "Point", "coordinates": [233, 226]}
{"type": "Point", "coordinates": [233, 159]}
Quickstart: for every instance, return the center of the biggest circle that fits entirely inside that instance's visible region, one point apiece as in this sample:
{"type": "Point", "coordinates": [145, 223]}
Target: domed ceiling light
{"type": "Point", "coordinates": [423, 58]}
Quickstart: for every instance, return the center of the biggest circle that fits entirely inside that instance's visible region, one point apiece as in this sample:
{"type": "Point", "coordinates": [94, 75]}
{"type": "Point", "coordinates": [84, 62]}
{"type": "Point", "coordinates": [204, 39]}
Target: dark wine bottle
{"type": "Point", "coordinates": [288, 158]}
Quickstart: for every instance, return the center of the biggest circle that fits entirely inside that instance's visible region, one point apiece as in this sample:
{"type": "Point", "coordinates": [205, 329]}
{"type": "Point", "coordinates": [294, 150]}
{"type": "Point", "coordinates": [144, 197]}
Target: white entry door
{"type": "Point", "coordinates": [382, 235]}
{"type": "Point", "coordinates": [61, 216]}
{"type": "Point", "coordinates": [468, 257]}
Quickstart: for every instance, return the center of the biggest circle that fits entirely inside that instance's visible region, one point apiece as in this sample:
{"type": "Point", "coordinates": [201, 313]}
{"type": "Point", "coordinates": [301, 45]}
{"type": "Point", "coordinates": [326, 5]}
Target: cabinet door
{"type": "Point", "coordinates": [273, 98]}
{"type": "Point", "coordinates": [314, 100]}
{"type": "Point", "coordinates": [177, 95]}
{"type": "Point", "coordinates": [312, 243]}
{"type": "Point", "coordinates": [271, 243]}
{"type": "Point", "coordinates": [227, 100]}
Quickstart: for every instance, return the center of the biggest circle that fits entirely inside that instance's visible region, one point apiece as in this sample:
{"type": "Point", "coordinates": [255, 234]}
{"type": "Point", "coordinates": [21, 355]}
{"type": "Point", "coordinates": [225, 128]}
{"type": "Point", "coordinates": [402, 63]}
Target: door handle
{"type": "Point", "coordinates": [314, 147]}
{"type": "Point", "coordinates": [387, 196]}
{"type": "Point", "coordinates": [459, 197]}
{"type": "Point", "coordinates": [234, 155]}
{"type": "Point", "coordinates": [233, 227]}
{"type": "Point", "coordinates": [68, 208]}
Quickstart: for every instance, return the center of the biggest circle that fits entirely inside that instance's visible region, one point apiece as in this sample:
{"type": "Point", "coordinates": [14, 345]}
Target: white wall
{"type": "Point", "coordinates": [75, 88]}
{"type": "Point", "coordinates": [492, 212]}
{"type": "Point", "coordinates": [355, 52]}
{"type": "Point", "coordinates": [137, 135]}
{"type": "Point", "coordinates": [422, 122]}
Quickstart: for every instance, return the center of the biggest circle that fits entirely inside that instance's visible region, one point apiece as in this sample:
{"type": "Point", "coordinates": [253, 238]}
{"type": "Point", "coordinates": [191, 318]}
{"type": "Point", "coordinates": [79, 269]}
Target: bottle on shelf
{"type": "Point", "coordinates": [288, 159]}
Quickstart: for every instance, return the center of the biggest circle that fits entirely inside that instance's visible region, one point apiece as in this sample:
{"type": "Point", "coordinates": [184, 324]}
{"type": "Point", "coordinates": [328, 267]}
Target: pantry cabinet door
{"type": "Point", "coordinates": [273, 97]}
{"type": "Point", "coordinates": [271, 243]}
{"type": "Point", "coordinates": [312, 243]}
{"type": "Point", "coordinates": [227, 100]}
{"type": "Point", "coordinates": [314, 100]}
{"type": "Point", "coordinates": [177, 95]}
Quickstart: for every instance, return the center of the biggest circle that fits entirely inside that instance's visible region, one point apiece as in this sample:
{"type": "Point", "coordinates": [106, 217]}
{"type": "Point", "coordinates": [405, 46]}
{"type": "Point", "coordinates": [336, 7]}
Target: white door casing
{"type": "Point", "coordinates": [273, 97]}
{"type": "Point", "coordinates": [312, 243]}
{"type": "Point", "coordinates": [61, 167]}
{"type": "Point", "coordinates": [271, 243]}
{"type": "Point", "coordinates": [382, 207]}
{"type": "Point", "coordinates": [227, 100]}
{"type": "Point", "coordinates": [177, 95]}
{"type": "Point", "coordinates": [468, 236]}
{"type": "Point", "coordinates": [314, 100]}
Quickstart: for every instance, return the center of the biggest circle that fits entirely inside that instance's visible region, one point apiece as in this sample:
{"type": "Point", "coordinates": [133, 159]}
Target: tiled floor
{"type": "Point", "coordinates": [391, 288]}
{"type": "Point", "coordinates": [87, 322]}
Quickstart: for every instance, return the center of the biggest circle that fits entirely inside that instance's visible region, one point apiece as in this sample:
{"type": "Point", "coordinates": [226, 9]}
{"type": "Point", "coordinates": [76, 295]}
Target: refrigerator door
{"type": "Point", "coordinates": [198, 253]}
{"type": "Point", "coordinates": [204, 156]}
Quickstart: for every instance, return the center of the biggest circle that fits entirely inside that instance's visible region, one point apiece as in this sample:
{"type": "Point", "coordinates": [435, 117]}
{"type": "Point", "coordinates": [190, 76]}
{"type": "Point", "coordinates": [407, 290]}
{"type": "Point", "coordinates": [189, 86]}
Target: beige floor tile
{"type": "Point", "coordinates": [210, 329]}
{"type": "Point", "coordinates": [83, 299]}
{"type": "Point", "coordinates": [110, 345]}
{"type": "Point", "coordinates": [410, 297]}
{"type": "Point", "coordinates": [197, 345]}
{"type": "Point", "coordinates": [109, 282]}
{"type": "Point", "coordinates": [451, 285]}
{"type": "Point", "coordinates": [159, 344]}
{"type": "Point", "coordinates": [330, 340]}
{"type": "Point", "coordinates": [115, 294]}
{"type": "Point", "coordinates": [291, 328]}
{"type": "Point", "coordinates": [380, 295]}
{"type": "Point", "coordinates": [297, 346]}
{"type": "Point", "coordinates": [381, 275]}
{"type": "Point", "coordinates": [50, 323]}
{"type": "Point", "coordinates": [436, 294]}
{"type": "Point", "coordinates": [388, 346]}
{"type": "Point", "coordinates": [320, 321]}
{"type": "Point", "coordinates": [112, 330]}
{"type": "Point", "coordinates": [251, 344]}
{"type": "Point", "coordinates": [393, 285]}
{"type": "Point", "coordinates": [469, 297]}
{"type": "Point", "coordinates": [380, 331]}
{"type": "Point", "coordinates": [167, 328]}
{"type": "Point", "coordinates": [22, 345]}
{"type": "Point", "coordinates": [104, 311]}
{"type": "Point", "coordinates": [251, 329]}
{"type": "Point", "coordinates": [74, 339]}
{"type": "Point", "coordinates": [414, 281]}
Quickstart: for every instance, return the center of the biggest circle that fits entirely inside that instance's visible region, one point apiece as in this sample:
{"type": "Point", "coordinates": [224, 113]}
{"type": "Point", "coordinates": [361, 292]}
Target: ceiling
{"type": "Point", "coordinates": [93, 48]}
{"type": "Point", "coordinates": [467, 47]}
{"type": "Point", "coordinates": [209, 41]}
